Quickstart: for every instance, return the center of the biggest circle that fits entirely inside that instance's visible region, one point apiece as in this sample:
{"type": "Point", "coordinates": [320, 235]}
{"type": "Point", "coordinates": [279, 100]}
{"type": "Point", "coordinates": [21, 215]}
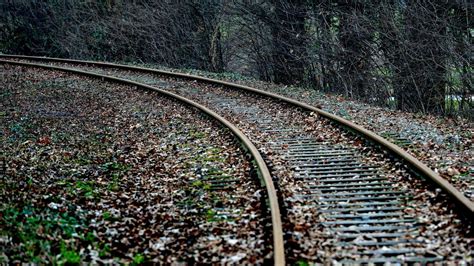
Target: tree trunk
{"type": "Point", "coordinates": [355, 57]}
{"type": "Point", "coordinates": [426, 60]}
{"type": "Point", "coordinates": [216, 52]}
{"type": "Point", "coordinates": [288, 34]}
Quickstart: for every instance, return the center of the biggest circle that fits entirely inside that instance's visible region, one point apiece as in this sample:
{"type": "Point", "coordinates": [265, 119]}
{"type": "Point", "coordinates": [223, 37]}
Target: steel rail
{"type": "Point", "coordinates": [419, 167]}
{"type": "Point", "coordinates": [277, 231]}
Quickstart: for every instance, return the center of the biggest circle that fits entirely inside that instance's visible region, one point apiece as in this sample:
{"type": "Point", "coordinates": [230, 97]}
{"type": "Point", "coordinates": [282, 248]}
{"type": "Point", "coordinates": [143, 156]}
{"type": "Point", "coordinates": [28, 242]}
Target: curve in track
{"type": "Point", "coordinates": [462, 202]}
{"type": "Point", "coordinates": [277, 232]}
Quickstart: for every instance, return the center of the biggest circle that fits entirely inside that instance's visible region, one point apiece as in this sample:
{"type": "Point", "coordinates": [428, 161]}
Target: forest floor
{"type": "Point", "coordinates": [103, 173]}
{"type": "Point", "coordinates": [446, 145]}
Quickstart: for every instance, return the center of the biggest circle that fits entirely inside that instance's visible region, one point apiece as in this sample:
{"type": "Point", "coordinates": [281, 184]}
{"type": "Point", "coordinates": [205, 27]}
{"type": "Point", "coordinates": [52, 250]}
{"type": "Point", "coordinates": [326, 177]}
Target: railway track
{"type": "Point", "coordinates": [343, 202]}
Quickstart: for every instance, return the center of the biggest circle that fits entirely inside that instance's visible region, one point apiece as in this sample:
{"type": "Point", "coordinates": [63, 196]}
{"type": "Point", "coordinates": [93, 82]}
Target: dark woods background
{"type": "Point", "coordinates": [410, 55]}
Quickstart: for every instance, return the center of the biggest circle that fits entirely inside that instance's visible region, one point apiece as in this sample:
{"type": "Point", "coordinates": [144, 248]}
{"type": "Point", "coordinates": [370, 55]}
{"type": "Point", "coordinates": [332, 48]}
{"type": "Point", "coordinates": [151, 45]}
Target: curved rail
{"type": "Point", "coordinates": [416, 164]}
{"type": "Point", "coordinates": [278, 249]}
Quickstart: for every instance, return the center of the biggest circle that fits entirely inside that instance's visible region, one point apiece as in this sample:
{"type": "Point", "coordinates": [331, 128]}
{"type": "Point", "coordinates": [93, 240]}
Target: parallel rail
{"type": "Point", "coordinates": [461, 201]}
{"type": "Point", "coordinates": [277, 232]}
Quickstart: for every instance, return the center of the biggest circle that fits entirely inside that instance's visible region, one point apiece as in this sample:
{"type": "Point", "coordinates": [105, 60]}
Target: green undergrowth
{"type": "Point", "coordinates": [47, 236]}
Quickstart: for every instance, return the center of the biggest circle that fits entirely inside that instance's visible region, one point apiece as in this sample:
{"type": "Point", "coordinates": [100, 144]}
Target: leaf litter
{"type": "Point", "coordinates": [103, 173]}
